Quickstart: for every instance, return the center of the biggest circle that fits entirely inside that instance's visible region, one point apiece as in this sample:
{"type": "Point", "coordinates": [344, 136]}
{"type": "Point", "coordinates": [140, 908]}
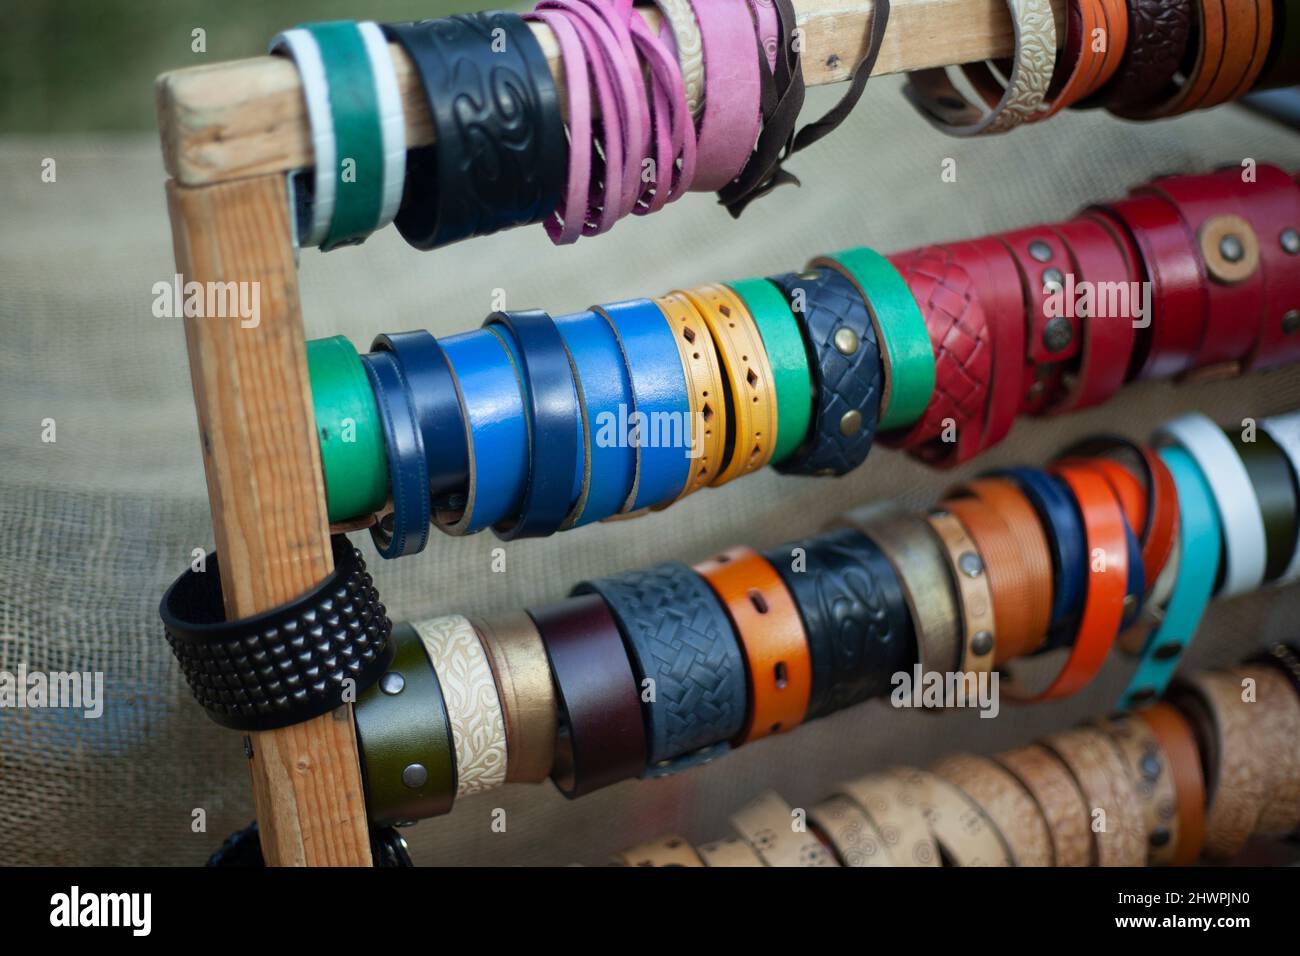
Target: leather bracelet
{"type": "Point", "coordinates": [517, 656]}
{"type": "Point", "coordinates": [1245, 58]}
{"type": "Point", "coordinates": [1153, 784]}
{"type": "Point", "coordinates": [961, 342]}
{"type": "Point", "coordinates": [1198, 566]}
{"type": "Point", "coordinates": [729, 851]}
{"type": "Point", "coordinates": [788, 359]}
{"type": "Point", "coordinates": [732, 88]}
{"type": "Point", "coordinates": [1178, 745]}
{"type": "Point", "coordinates": [960, 828]}
{"type": "Point", "coordinates": [1075, 73]}
{"type": "Point", "coordinates": [1239, 514]}
{"type": "Point", "coordinates": [1210, 38]}
{"type": "Point", "coordinates": [850, 831]}
{"type": "Point", "coordinates": [1172, 264]}
{"type": "Point", "coordinates": [844, 357]}
{"type": "Point", "coordinates": [682, 648]}
{"type": "Point", "coordinates": [504, 166]}
{"type": "Point", "coordinates": [654, 366]}
{"type": "Point", "coordinates": [478, 726]}
{"type": "Point", "coordinates": [854, 615]}
{"type": "Point", "coordinates": [1285, 431]}
{"type": "Point", "coordinates": [1132, 505]}
{"type": "Point", "coordinates": [404, 738]}
{"type": "Point", "coordinates": [1271, 204]}
{"type": "Point", "coordinates": [1004, 802]}
{"type": "Point", "coordinates": [1104, 783]}
{"type": "Point", "coordinates": [1278, 729]}
{"type": "Point", "coordinates": [439, 413]}
{"type": "Point", "coordinates": [939, 100]}
{"type": "Point", "coordinates": [601, 738]}
{"type": "Point", "coordinates": [347, 428]}
{"type": "Point", "coordinates": [1052, 338]}
{"type": "Point", "coordinates": [1060, 518]}
{"type": "Point", "coordinates": [747, 379]}
{"type": "Point", "coordinates": [767, 824]}
{"type": "Point", "coordinates": [968, 572]}
{"type": "Point", "coordinates": [765, 619]}
{"type": "Point", "coordinates": [1062, 806]}
{"type": "Point", "coordinates": [261, 672]}
{"type": "Point", "coordinates": [922, 568]}
{"type": "Point", "coordinates": [1157, 39]}
{"type": "Point", "coordinates": [893, 809]}
{"type": "Point", "coordinates": [679, 21]}
{"type": "Point", "coordinates": [667, 851]}
{"type": "Point", "coordinates": [604, 392]}
{"type": "Point", "coordinates": [1103, 608]}
{"type": "Point", "coordinates": [705, 390]}
{"type": "Point", "coordinates": [489, 386]}
{"type": "Point", "coordinates": [1275, 489]}
{"type": "Point", "coordinates": [405, 530]}
{"type": "Point", "coordinates": [901, 334]}
{"type": "Point", "coordinates": [556, 451]}
{"type": "Point", "coordinates": [1282, 64]}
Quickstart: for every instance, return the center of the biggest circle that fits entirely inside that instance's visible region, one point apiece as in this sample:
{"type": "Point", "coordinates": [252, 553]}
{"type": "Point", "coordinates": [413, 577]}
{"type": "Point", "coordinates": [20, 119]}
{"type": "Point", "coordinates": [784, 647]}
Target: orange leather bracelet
{"type": "Point", "coordinates": [1115, 13]}
{"type": "Point", "coordinates": [1103, 607]}
{"type": "Point", "coordinates": [1086, 61]}
{"type": "Point", "coordinates": [1008, 576]}
{"type": "Point", "coordinates": [704, 389]}
{"type": "Point", "coordinates": [771, 633]}
{"type": "Point", "coordinates": [748, 379]}
{"type": "Point", "coordinates": [1174, 735]}
{"type": "Point", "coordinates": [1005, 497]}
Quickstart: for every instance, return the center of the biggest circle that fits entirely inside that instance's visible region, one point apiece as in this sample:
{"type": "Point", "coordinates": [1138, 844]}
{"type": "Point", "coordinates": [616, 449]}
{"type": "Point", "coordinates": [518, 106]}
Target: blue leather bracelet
{"type": "Point", "coordinates": [606, 399]}
{"type": "Point", "coordinates": [406, 529]}
{"type": "Point", "coordinates": [1067, 543]}
{"type": "Point", "coordinates": [1200, 551]}
{"type": "Point", "coordinates": [554, 424]}
{"type": "Point", "coordinates": [437, 409]}
{"type": "Point", "coordinates": [487, 385]}
{"type": "Point", "coordinates": [654, 367]}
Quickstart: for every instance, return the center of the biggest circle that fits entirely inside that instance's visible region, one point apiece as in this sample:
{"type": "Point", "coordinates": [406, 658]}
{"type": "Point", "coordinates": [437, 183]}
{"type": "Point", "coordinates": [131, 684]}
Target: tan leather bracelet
{"type": "Point", "coordinates": [1277, 736]}
{"type": "Point", "coordinates": [1059, 800]}
{"type": "Point", "coordinates": [478, 727]}
{"type": "Point", "coordinates": [1178, 744]}
{"type": "Point", "coordinates": [767, 823]}
{"type": "Point", "coordinates": [967, 570]}
{"type": "Point", "coordinates": [526, 690]}
{"type": "Point", "coordinates": [898, 817]}
{"type": "Point", "coordinates": [747, 377]}
{"type": "Point", "coordinates": [1105, 786]}
{"type": "Point", "coordinates": [1153, 783]}
{"type": "Point", "coordinates": [704, 389]}
{"type": "Point", "coordinates": [922, 567]}
{"type": "Point", "coordinates": [729, 851]}
{"type": "Point", "coordinates": [666, 851]}
{"type": "Point", "coordinates": [1005, 802]}
{"type": "Point", "coordinates": [965, 835]}
{"type": "Point", "coordinates": [846, 825]}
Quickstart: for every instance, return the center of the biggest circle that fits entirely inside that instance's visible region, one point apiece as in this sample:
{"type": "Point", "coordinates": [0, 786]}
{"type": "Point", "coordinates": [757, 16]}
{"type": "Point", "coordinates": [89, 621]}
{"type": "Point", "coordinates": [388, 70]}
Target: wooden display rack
{"type": "Point", "coordinates": [230, 131]}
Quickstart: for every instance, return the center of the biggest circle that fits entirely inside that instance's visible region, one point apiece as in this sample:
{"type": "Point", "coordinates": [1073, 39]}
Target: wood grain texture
{"type": "Point", "coordinates": [247, 117]}
{"type": "Point", "coordinates": [267, 494]}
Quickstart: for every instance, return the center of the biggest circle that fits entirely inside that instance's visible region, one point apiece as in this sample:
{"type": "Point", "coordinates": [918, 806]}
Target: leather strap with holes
{"type": "Point", "coordinates": [959, 826]}
{"type": "Point", "coordinates": [1103, 609]}
{"type": "Point", "coordinates": [751, 433]}
{"type": "Point", "coordinates": [980, 637]}
{"type": "Point", "coordinates": [1005, 497]}
{"type": "Point", "coordinates": [896, 813]}
{"type": "Point", "coordinates": [771, 635]}
{"type": "Point", "coordinates": [704, 389]}
{"type": "Point", "coordinates": [1005, 802]}
{"type": "Point", "coordinates": [1177, 743]}
{"type": "Point", "coordinates": [1105, 785]}
{"type": "Point", "coordinates": [1062, 806]}
{"type": "Point", "coordinates": [1153, 784]}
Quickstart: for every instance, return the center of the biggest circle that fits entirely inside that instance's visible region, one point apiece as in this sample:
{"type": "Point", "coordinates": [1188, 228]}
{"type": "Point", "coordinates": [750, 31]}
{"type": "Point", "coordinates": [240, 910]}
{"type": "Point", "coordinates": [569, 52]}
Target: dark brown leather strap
{"type": "Point", "coordinates": [1158, 34]}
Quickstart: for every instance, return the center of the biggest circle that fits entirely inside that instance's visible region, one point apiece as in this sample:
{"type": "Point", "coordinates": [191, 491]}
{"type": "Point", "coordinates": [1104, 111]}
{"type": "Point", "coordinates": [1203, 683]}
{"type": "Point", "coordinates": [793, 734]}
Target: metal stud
{"type": "Point", "coordinates": [1057, 334]}
{"type": "Point", "coordinates": [981, 643]}
{"type": "Point", "coordinates": [1291, 322]}
{"type": "Point", "coordinates": [392, 683]}
{"type": "Point", "coordinates": [851, 423]}
{"type": "Point", "coordinates": [415, 776]}
{"type": "Point", "coordinates": [970, 564]}
{"type": "Point", "coordinates": [846, 341]}
{"type": "Point", "coordinates": [1290, 241]}
{"type": "Point", "coordinates": [1053, 279]}
{"type": "Point", "coordinates": [1040, 250]}
{"type": "Point", "coordinates": [1231, 248]}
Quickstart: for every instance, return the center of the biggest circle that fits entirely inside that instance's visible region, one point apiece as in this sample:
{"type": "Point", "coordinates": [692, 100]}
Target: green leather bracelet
{"type": "Point", "coordinates": [1275, 487]}
{"type": "Point", "coordinates": [347, 425]}
{"type": "Point", "coordinates": [900, 330]}
{"type": "Point", "coordinates": [788, 358]}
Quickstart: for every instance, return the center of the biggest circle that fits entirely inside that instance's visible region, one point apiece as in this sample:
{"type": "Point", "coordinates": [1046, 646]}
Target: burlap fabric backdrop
{"type": "Point", "coordinates": [96, 524]}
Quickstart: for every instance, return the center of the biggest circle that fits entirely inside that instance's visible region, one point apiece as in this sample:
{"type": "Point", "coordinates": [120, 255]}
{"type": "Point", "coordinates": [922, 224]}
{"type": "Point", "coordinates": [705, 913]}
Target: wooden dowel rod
{"type": "Point", "coordinates": [248, 118]}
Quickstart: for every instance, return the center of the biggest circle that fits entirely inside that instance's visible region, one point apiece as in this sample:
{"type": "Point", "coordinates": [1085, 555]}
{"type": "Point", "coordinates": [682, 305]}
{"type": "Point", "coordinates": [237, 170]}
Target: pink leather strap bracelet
{"type": "Point", "coordinates": [732, 92]}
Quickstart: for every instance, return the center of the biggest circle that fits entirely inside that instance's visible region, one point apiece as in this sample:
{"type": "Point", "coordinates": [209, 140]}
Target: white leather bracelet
{"type": "Point", "coordinates": [1234, 495]}
{"type": "Point", "coordinates": [767, 824]}
{"type": "Point", "coordinates": [392, 122]}
{"type": "Point", "coordinates": [302, 48]}
{"type": "Point", "coordinates": [1285, 430]}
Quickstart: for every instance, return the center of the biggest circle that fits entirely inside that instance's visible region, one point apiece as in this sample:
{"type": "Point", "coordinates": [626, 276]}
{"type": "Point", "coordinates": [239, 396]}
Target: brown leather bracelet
{"type": "Point", "coordinates": [523, 676]}
{"type": "Point", "coordinates": [1105, 786]}
{"type": "Point", "coordinates": [666, 851]}
{"type": "Point", "coordinates": [1059, 800]}
{"type": "Point", "coordinates": [969, 573]}
{"type": "Point", "coordinates": [1278, 730]}
{"type": "Point", "coordinates": [1178, 744]}
{"type": "Point", "coordinates": [850, 831]}
{"type": "Point", "coordinates": [965, 835]}
{"type": "Point", "coordinates": [897, 816]}
{"type": "Point", "coordinates": [1157, 40]}
{"type": "Point", "coordinates": [1153, 782]}
{"type": "Point", "coordinates": [1211, 34]}
{"type": "Point", "coordinates": [1005, 802]}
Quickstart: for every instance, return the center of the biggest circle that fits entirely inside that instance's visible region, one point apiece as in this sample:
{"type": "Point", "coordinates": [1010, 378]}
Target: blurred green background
{"type": "Point", "coordinates": [89, 65]}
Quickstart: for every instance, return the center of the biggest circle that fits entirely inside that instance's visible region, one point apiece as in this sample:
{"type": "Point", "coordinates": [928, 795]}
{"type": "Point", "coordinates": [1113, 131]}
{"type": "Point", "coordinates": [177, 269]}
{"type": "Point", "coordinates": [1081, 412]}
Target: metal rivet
{"type": "Point", "coordinates": [851, 423]}
{"type": "Point", "coordinates": [846, 341]}
{"type": "Point", "coordinates": [1146, 693]}
{"type": "Point", "coordinates": [1167, 652]}
{"type": "Point", "coordinates": [970, 564]}
{"type": "Point", "coordinates": [1150, 766]}
{"type": "Point", "coordinates": [1159, 837]}
{"type": "Point", "coordinates": [1053, 279]}
{"type": "Point", "coordinates": [809, 276]}
{"type": "Point", "coordinates": [1290, 241]}
{"type": "Point", "coordinates": [1291, 322]}
{"type": "Point", "coordinates": [1231, 248]}
{"type": "Point", "coordinates": [415, 776]}
{"type": "Point", "coordinates": [1057, 334]}
{"type": "Point", "coordinates": [392, 683]}
{"type": "Point", "coordinates": [1040, 250]}
{"type": "Point", "coordinates": [981, 643]}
